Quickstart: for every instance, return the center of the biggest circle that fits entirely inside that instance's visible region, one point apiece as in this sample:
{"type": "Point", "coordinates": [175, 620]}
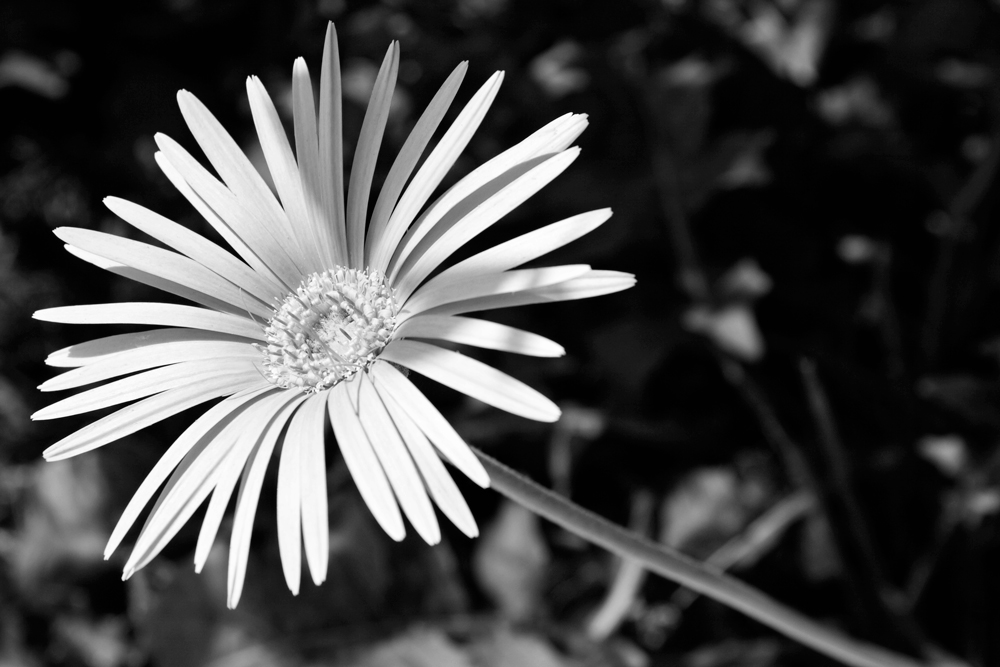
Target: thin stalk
{"type": "Point", "coordinates": [687, 572]}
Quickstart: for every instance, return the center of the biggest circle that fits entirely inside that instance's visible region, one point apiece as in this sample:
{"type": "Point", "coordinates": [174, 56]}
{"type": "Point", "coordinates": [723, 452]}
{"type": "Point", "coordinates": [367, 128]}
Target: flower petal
{"type": "Point", "coordinates": [480, 333]}
{"type": "Point", "coordinates": [331, 143]}
{"type": "Point", "coordinates": [406, 160]}
{"type": "Point", "coordinates": [305, 438]}
{"type": "Point", "coordinates": [197, 247]}
{"type": "Point", "coordinates": [440, 484]}
{"type": "Point", "coordinates": [232, 469]}
{"type": "Point", "coordinates": [246, 504]}
{"type": "Point", "coordinates": [144, 358]}
{"type": "Point", "coordinates": [361, 459]}
{"type": "Point", "coordinates": [460, 225]}
{"type": "Point", "coordinates": [554, 137]}
{"type": "Point", "coordinates": [289, 510]}
{"type": "Point", "coordinates": [156, 314]}
{"type": "Point", "coordinates": [472, 378]}
{"type": "Point", "coordinates": [285, 174]}
{"type": "Point", "coordinates": [264, 238]}
{"type": "Point", "coordinates": [431, 422]}
{"type": "Point", "coordinates": [148, 411]}
{"type": "Point", "coordinates": [438, 292]}
{"type": "Point", "coordinates": [201, 432]}
{"type": "Point", "coordinates": [198, 474]}
{"type": "Point", "coordinates": [366, 154]}
{"type": "Point", "coordinates": [225, 231]}
{"type": "Point", "coordinates": [318, 221]}
{"type": "Point", "coordinates": [142, 385]}
{"type": "Point", "coordinates": [101, 349]}
{"type": "Point", "coordinates": [153, 281]}
{"type": "Point", "coordinates": [528, 246]}
{"type": "Point", "coordinates": [164, 264]}
{"type": "Point", "coordinates": [433, 171]}
{"type": "Point", "coordinates": [591, 284]}
{"type": "Point", "coordinates": [396, 462]}
{"type": "Point", "coordinates": [235, 168]}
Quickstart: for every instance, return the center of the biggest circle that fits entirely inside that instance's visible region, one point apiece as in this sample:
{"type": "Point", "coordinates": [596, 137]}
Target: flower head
{"type": "Point", "coordinates": [310, 322]}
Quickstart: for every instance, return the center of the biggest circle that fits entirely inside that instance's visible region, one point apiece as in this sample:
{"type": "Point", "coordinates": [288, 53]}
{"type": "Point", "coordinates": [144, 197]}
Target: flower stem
{"type": "Point", "coordinates": [687, 572]}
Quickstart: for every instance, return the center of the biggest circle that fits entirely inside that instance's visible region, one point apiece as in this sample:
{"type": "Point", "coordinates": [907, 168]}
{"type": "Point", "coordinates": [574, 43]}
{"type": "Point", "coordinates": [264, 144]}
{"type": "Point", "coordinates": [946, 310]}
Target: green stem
{"type": "Point", "coordinates": [689, 573]}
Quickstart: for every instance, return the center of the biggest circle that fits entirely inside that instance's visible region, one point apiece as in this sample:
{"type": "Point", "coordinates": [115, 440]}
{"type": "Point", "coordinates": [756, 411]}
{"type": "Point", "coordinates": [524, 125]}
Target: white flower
{"type": "Point", "coordinates": [310, 327]}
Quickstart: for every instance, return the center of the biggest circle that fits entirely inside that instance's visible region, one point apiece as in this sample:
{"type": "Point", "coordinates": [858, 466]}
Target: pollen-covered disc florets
{"type": "Point", "coordinates": [331, 327]}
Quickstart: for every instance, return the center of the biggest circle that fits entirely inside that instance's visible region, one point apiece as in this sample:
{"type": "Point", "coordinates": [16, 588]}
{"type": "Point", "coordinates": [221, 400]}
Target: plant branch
{"type": "Point", "coordinates": [687, 572]}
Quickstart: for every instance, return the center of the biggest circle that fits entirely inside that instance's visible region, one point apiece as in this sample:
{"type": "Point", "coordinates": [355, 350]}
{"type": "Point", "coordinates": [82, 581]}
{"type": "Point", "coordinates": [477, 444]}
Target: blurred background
{"type": "Point", "coordinates": [803, 388]}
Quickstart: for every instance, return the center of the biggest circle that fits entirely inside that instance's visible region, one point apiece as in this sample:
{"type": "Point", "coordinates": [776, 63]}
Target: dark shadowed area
{"type": "Point", "coordinates": [803, 388]}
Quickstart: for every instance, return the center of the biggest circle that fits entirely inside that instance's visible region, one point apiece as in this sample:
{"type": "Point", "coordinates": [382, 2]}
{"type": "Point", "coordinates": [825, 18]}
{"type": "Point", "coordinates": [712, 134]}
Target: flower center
{"type": "Point", "coordinates": [331, 327]}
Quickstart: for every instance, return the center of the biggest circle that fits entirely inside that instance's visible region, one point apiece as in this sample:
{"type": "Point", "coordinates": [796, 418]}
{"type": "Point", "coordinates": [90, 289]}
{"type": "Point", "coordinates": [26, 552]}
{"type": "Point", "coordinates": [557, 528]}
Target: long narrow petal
{"type": "Point", "coordinates": [144, 358]}
{"type": "Point", "coordinates": [289, 509]}
{"type": "Point", "coordinates": [480, 333]}
{"type": "Point", "coordinates": [202, 431]}
{"type": "Point", "coordinates": [154, 281]}
{"type": "Point", "coordinates": [407, 158]}
{"type": "Point", "coordinates": [366, 154]}
{"type": "Point", "coordinates": [554, 137]}
{"type": "Point", "coordinates": [197, 476]}
{"type": "Point", "coordinates": [406, 161]}
{"type": "Point", "coordinates": [440, 484]}
{"type": "Point", "coordinates": [197, 247]}
{"type": "Point", "coordinates": [458, 227]}
{"type": "Point", "coordinates": [472, 378]}
{"type": "Point", "coordinates": [361, 461]}
{"type": "Point", "coordinates": [142, 385]}
{"type": "Point", "coordinates": [148, 411]}
{"type": "Point", "coordinates": [305, 436]}
{"type": "Point", "coordinates": [267, 241]}
{"type": "Point", "coordinates": [527, 247]}
{"type": "Point", "coordinates": [234, 166]}
{"type": "Point", "coordinates": [232, 470]}
{"type": "Point", "coordinates": [250, 486]}
{"type": "Point", "coordinates": [396, 462]}
{"type": "Point", "coordinates": [101, 349]}
{"type": "Point", "coordinates": [155, 314]}
{"type": "Point", "coordinates": [318, 223]}
{"type": "Point", "coordinates": [312, 461]}
{"type": "Point", "coordinates": [331, 142]}
{"type": "Point", "coordinates": [439, 292]}
{"type": "Point", "coordinates": [217, 223]}
{"type": "Point", "coordinates": [430, 421]}
{"type": "Point", "coordinates": [591, 284]}
{"type": "Point", "coordinates": [284, 172]}
{"type": "Point", "coordinates": [164, 264]}
{"type": "Point", "coordinates": [389, 230]}
{"type": "Point", "coordinates": [171, 511]}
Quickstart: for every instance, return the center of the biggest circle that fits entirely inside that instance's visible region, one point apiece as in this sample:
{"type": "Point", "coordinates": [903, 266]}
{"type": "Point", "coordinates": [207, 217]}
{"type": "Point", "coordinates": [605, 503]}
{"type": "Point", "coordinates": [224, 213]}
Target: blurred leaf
{"type": "Point", "coordinates": [417, 648]}
{"type": "Point", "coordinates": [174, 614]}
{"type": "Point", "coordinates": [973, 399]}
{"type": "Point", "coordinates": [948, 453]}
{"type": "Point", "coordinates": [505, 648]}
{"type": "Point", "coordinates": [736, 653]}
{"type": "Point", "coordinates": [732, 328]}
{"type": "Point", "coordinates": [63, 523]}
{"type": "Point", "coordinates": [510, 561]}
{"type": "Point", "coordinates": [554, 71]}
{"type": "Point", "coordinates": [95, 642]}
{"type": "Point", "coordinates": [858, 101]}
{"type": "Point", "coordinates": [33, 74]}
{"type": "Point", "coordinates": [702, 512]}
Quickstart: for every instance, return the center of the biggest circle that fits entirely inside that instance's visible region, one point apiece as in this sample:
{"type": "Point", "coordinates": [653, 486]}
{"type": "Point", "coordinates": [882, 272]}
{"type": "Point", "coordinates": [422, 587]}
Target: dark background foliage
{"type": "Point", "coordinates": [802, 387]}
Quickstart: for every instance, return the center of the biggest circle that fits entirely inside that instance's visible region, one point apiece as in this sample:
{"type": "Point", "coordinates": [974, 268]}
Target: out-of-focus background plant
{"type": "Point", "coordinates": [803, 388]}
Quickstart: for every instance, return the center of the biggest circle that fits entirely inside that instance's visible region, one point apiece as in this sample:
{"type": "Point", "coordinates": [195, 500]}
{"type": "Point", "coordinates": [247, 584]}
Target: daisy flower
{"type": "Point", "coordinates": [317, 318]}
